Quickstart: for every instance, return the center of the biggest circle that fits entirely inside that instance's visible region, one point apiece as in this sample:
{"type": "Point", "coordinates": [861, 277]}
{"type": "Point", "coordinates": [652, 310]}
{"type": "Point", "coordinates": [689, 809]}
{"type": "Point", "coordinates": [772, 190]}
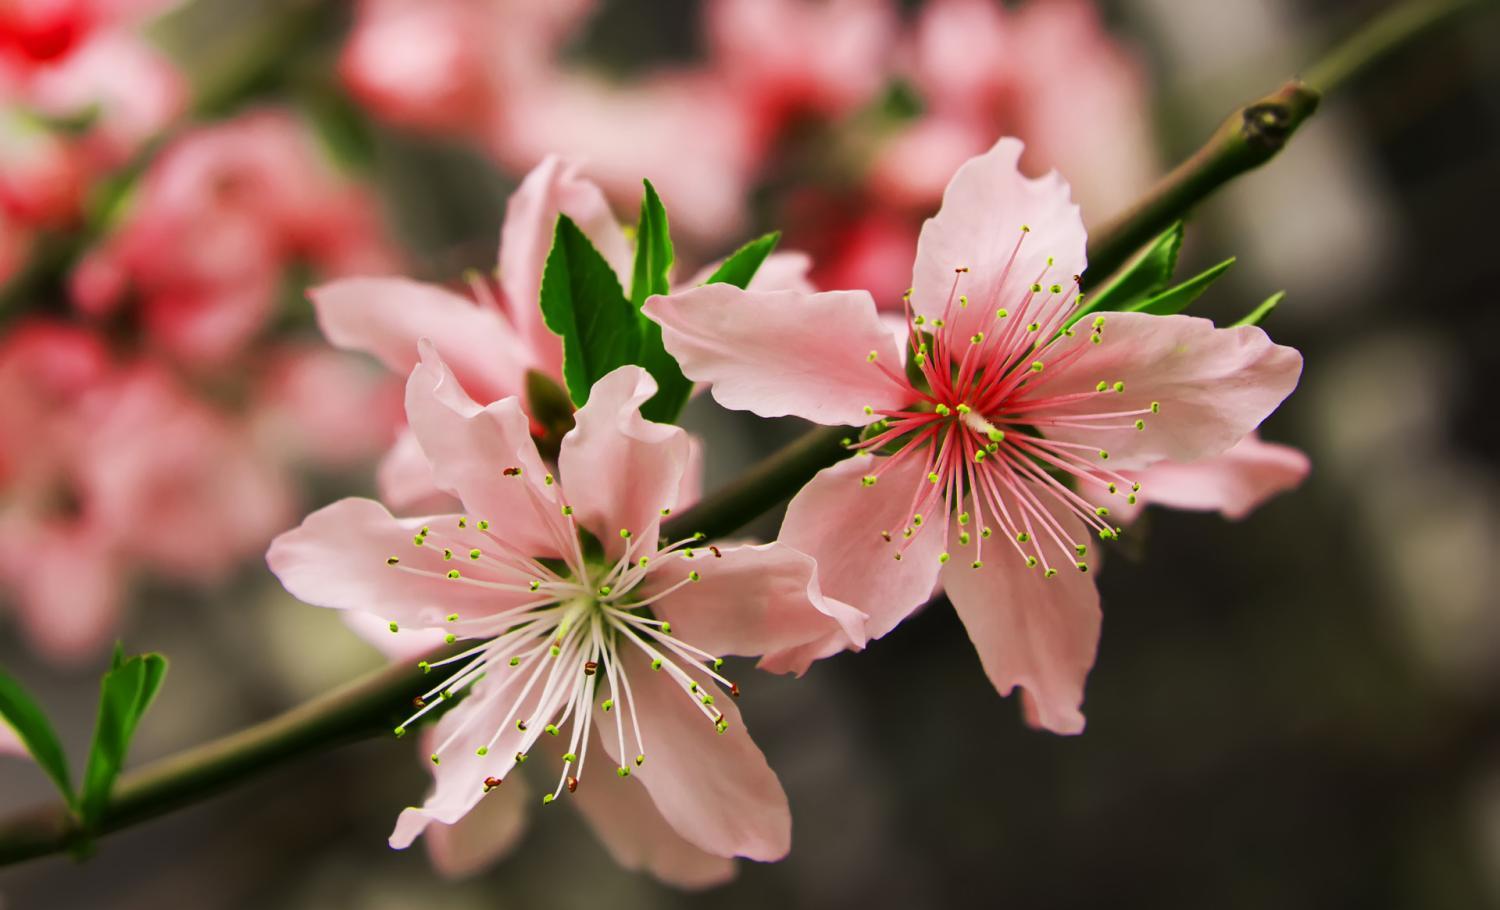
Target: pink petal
{"type": "Point", "coordinates": [776, 353]}
{"type": "Point", "coordinates": [337, 558]}
{"type": "Point", "coordinates": [470, 449]}
{"type": "Point", "coordinates": [1234, 483]}
{"type": "Point", "coordinates": [404, 478]}
{"type": "Point", "coordinates": [10, 743]}
{"type": "Point", "coordinates": [1213, 385]}
{"type": "Point", "coordinates": [552, 188]}
{"type": "Point", "coordinates": [715, 790]}
{"type": "Point", "coordinates": [487, 833]}
{"type": "Point", "coordinates": [620, 469]}
{"type": "Point", "coordinates": [1030, 631]}
{"type": "Point", "coordinates": [407, 643]}
{"type": "Point", "coordinates": [460, 777]}
{"type": "Point", "coordinates": [838, 521]}
{"type": "Point", "coordinates": [386, 316]}
{"type": "Point", "coordinates": [979, 227]}
{"type": "Point", "coordinates": [67, 587]}
{"type": "Point", "coordinates": [754, 600]}
{"type": "Point", "coordinates": [625, 819]}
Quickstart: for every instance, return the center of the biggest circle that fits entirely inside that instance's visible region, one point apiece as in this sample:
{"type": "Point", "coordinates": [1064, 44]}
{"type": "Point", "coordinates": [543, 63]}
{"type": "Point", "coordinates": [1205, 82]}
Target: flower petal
{"type": "Point", "coordinates": [471, 449]}
{"type": "Point", "coordinates": [404, 477]}
{"type": "Point", "coordinates": [979, 228]}
{"type": "Point", "coordinates": [1031, 631]}
{"type": "Point", "coordinates": [627, 822]}
{"type": "Point", "coordinates": [776, 353]}
{"type": "Point", "coordinates": [1234, 483]}
{"type": "Point", "coordinates": [337, 558]}
{"type": "Point", "coordinates": [552, 188]}
{"type": "Point", "coordinates": [838, 521]}
{"type": "Point", "coordinates": [385, 317]}
{"type": "Point", "coordinates": [619, 469]}
{"type": "Point", "coordinates": [1213, 385]}
{"type": "Point", "coordinates": [755, 600]}
{"type": "Point", "coordinates": [715, 790]}
{"type": "Point", "coordinates": [487, 833]}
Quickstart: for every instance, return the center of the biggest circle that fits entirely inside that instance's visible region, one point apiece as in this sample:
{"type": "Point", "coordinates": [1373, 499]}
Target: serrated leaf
{"type": "Point", "coordinates": [1148, 274]}
{"type": "Point", "coordinates": [744, 262]}
{"type": "Point", "coordinates": [582, 302]}
{"type": "Point", "coordinates": [653, 249]}
{"type": "Point", "coordinates": [1177, 299]}
{"type": "Point", "coordinates": [30, 722]}
{"type": "Point", "coordinates": [125, 693]}
{"type": "Point", "coordinates": [1261, 312]}
{"type": "Point", "coordinates": [653, 262]}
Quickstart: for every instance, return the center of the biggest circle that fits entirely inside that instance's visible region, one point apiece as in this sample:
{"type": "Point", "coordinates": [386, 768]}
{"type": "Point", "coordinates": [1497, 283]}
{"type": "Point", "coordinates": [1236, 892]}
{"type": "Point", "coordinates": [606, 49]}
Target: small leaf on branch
{"type": "Point", "coordinates": [1148, 274]}
{"type": "Point", "coordinates": [1261, 312]}
{"type": "Point", "coordinates": [24, 716]}
{"type": "Point", "coordinates": [125, 693]}
{"type": "Point", "coordinates": [1174, 301]}
{"type": "Point", "coordinates": [744, 262]}
{"type": "Point", "coordinates": [582, 301]}
{"type": "Point", "coordinates": [653, 262]}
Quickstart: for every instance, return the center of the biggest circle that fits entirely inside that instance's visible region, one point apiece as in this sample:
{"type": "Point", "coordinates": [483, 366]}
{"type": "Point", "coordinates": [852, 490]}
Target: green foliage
{"type": "Point", "coordinates": [581, 301]}
{"type": "Point", "coordinates": [124, 695]}
{"type": "Point", "coordinates": [1174, 300]}
{"type": "Point", "coordinates": [653, 264]}
{"type": "Point", "coordinates": [744, 262]}
{"type": "Point", "coordinates": [23, 714]}
{"type": "Point", "coordinates": [1261, 312]}
{"type": "Point", "coordinates": [1149, 274]}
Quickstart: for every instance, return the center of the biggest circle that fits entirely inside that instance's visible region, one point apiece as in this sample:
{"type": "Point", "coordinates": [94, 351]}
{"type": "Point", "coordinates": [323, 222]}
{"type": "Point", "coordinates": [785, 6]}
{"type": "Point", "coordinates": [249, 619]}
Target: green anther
{"type": "Point", "coordinates": [718, 662]}
{"type": "Point", "coordinates": [1082, 549]}
{"type": "Point", "coordinates": [1023, 537]}
{"type": "Point", "coordinates": [1096, 338]}
{"type": "Point", "coordinates": [453, 617]}
{"type": "Point", "coordinates": [656, 664]}
{"type": "Point", "coordinates": [1140, 424]}
{"type": "Point", "coordinates": [1031, 562]}
{"type": "Point", "coordinates": [1119, 385]}
{"type": "Point", "coordinates": [567, 510]}
{"type": "Point", "coordinates": [425, 530]}
{"type": "Point", "coordinates": [1050, 573]}
{"type": "Point", "coordinates": [452, 573]}
{"type": "Point", "coordinates": [1034, 327]}
{"type": "Point", "coordinates": [447, 554]}
{"type": "Point", "coordinates": [515, 661]}
{"type": "Point", "coordinates": [1026, 229]}
{"type": "Point", "coordinates": [868, 480]}
{"type": "Point", "coordinates": [424, 666]}
{"type": "Point", "coordinates": [1101, 386]}
{"type": "Point", "coordinates": [708, 699]}
{"type": "Point", "coordinates": [963, 518]}
{"type": "Point", "coordinates": [1113, 489]}
{"type": "Point", "coordinates": [640, 760]}
{"type": "Point", "coordinates": [548, 480]}
{"type": "Point", "coordinates": [643, 561]}
{"type": "Point", "coordinates": [687, 553]}
{"type": "Point", "coordinates": [1036, 289]}
{"type": "Point", "coordinates": [1036, 366]}
{"type": "Point", "coordinates": [463, 522]}
{"type": "Point", "coordinates": [450, 638]}
{"type": "Point", "coordinates": [435, 759]}
{"type": "Point", "coordinates": [963, 538]}
{"type": "Point", "coordinates": [1135, 487]}
{"type": "Point", "coordinates": [554, 650]}
{"type": "Point", "coordinates": [551, 729]}
{"type": "Point", "coordinates": [667, 628]}
{"type": "Point", "coordinates": [976, 338]}
{"type": "Point", "coordinates": [1082, 566]}
{"type": "Point", "coordinates": [919, 320]}
{"type": "Point", "coordinates": [520, 758]}
{"type": "Point", "coordinates": [1001, 313]}
{"type": "Point", "coordinates": [722, 727]}
{"type": "Point", "coordinates": [1101, 511]}
{"type": "Point", "coordinates": [605, 589]}
{"type": "Point", "coordinates": [1051, 261]}
{"type": "Point", "coordinates": [417, 541]}
{"type": "Point", "coordinates": [534, 585]}
{"type": "Point", "coordinates": [392, 560]}
{"type": "Point", "coordinates": [932, 477]}
{"type": "Point", "coordinates": [624, 533]}
{"type": "Point", "coordinates": [520, 725]}
{"type": "Point", "coordinates": [694, 576]}
{"type": "Point", "coordinates": [484, 525]}
{"type": "Point", "coordinates": [474, 553]}
{"type": "Point", "coordinates": [992, 448]}
{"type": "Point", "coordinates": [995, 435]}
{"type": "Point", "coordinates": [985, 533]}
{"type": "Point", "coordinates": [1156, 407]}
{"type": "Point", "coordinates": [666, 512]}
{"type": "Point", "coordinates": [868, 410]}
{"type": "Point", "coordinates": [963, 299]}
{"type": "Point", "coordinates": [916, 520]}
{"type": "Point", "coordinates": [1103, 455]}
{"type": "Point", "coordinates": [921, 358]}
{"type": "Point", "coordinates": [964, 409]}
{"type": "Point", "coordinates": [1098, 322]}
{"type": "Point", "coordinates": [938, 323]}
{"type": "Point", "coordinates": [870, 357]}
{"type": "Point", "coordinates": [623, 771]}
{"type": "Point", "coordinates": [609, 704]}
{"type": "Point", "coordinates": [692, 687]}
{"type": "Point", "coordinates": [446, 694]}
{"type": "Point", "coordinates": [1130, 499]}
{"type": "Point", "coordinates": [942, 410]}
{"type": "Point", "coordinates": [546, 798]}
{"type": "Point", "coordinates": [1106, 534]}
{"type": "Point", "coordinates": [943, 558]}
{"type": "Point", "coordinates": [400, 732]}
{"type": "Point", "coordinates": [395, 627]}
{"type": "Point", "coordinates": [482, 751]}
{"type": "Point", "coordinates": [976, 564]}
{"type": "Point", "coordinates": [1056, 289]}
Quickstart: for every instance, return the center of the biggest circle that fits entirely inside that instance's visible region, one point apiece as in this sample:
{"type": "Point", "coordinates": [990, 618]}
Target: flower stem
{"type": "Point", "coordinates": [1257, 132]}
{"type": "Point", "coordinates": [370, 705]}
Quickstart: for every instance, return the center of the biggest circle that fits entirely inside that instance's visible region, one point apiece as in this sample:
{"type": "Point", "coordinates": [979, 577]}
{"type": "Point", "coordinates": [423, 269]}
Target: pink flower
{"type": "Point", "coordinates": [960, 476]}
{"type": "Point", "coordinates": [324, 408]}
{"type": "Point", "coordinates": [590, 634]}
{"type": "Point", "coordinates": [788, 59]}
{"type": "Point", "coordinates": [493, 337]}
{"type": "Point", "coordinates": [217, 218]}
{"type": "Point", "coordinates": [43, 177]}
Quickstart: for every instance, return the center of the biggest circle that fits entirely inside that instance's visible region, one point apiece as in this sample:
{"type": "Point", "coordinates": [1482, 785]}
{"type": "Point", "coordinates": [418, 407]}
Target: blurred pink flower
{"type": "Point", "coordinates": [43, 177]}
{"type": "Point", "coordinates": [39, 31]}
{"type": "Point", "coordinates": [549, 641]}
{"type": "Point", "coordinates": [217, 219]}
{"type": "Point", "coordinates": [785, 60]}
{"type": "Point", "coordinates": [109, 471]}
{"type": "Point", "coordinates": [1012, 397]}
{"type": "Point", "coordinates": [321, 408]}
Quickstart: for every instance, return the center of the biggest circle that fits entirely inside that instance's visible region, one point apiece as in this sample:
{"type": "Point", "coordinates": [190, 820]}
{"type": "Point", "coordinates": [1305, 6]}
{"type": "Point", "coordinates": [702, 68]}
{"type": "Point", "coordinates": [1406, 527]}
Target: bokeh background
{"type": "Point", "coordinates": [1299, 709]}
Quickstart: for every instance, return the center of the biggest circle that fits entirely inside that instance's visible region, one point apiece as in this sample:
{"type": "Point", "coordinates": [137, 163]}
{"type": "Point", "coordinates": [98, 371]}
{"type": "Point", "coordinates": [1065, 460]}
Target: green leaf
{"type": "Point", "coordinates": [581, 301]}
{"type": "Point", "coordinates": [653, 249]}
{"type": "Point", "coordinates": [1171, 302]}
{"type": "Point", "coordinates": [744, 262]}
{"type": "Point", "coordinates": [653, 261]}
{"type": "Point", "coordinates": [1262, 311]}
{"type": "Point", "coordinates": [124, 695]}
{"type": "Point", "coordinates": [1148, 274]}
{"type": "Point", "coordinates": [36, 733]}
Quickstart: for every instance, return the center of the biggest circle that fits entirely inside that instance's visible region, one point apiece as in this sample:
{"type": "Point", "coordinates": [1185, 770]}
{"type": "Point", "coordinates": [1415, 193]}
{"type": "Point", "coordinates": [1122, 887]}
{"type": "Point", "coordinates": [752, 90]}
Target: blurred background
{"type": "Point", "coordinates": [1298, 709]}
